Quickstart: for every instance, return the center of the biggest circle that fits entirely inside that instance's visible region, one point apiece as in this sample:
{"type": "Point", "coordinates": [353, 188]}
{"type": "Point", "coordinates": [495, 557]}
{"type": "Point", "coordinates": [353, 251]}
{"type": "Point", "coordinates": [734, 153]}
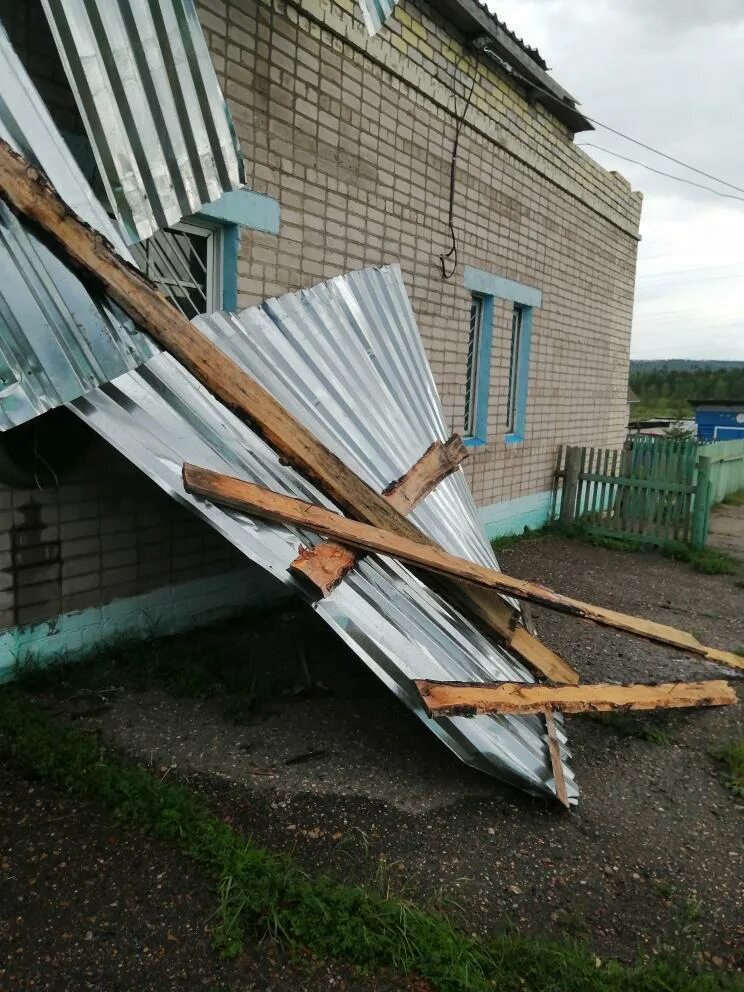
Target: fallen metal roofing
{"type": "Point", "coordinates": [149, 96]}
{"type": "Point", "coordinates": [376, 12]}
{"type": "Point", "coordinates": [56, 340]}
{"type": "Point", "coordinates": [346, 358]}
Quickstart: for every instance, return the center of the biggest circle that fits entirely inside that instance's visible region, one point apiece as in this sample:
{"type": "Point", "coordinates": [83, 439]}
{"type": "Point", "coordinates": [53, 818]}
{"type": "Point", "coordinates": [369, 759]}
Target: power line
{"type": "Point", "coordinates": [659, 172]}
{"type": "Point", "coordinates": [694, 282]}
{"type": "Point", "coordinates": [679, 272]}
{"type": "Point", "coordinates": [670, 158]}
{"type": "Point", "coordinates": [685, 165]}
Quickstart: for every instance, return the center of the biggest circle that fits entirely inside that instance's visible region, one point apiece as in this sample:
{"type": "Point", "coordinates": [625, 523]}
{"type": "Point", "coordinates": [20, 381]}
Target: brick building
{"type": "Point", "coordinates": [349, 146]}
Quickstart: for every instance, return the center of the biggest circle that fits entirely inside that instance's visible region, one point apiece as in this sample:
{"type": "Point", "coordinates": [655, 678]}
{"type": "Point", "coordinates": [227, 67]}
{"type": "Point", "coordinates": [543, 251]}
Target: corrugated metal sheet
{"type": "Point", "coordinates": [152, 106]}
{"type": "Point", "coordinates": [376, 12]}
{"type": "Point", "coordinates": [56, 341]}
{"type": "Point", "coordinates": [347, 359]}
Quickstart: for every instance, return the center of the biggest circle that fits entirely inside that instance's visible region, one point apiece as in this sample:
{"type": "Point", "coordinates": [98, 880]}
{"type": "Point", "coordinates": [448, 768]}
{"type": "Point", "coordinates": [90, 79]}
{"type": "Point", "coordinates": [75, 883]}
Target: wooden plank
{"type": "Point", "coordinates": [469, 699]}
{"type": "Point", "coordinates": [272, 506]}
{"type": "Point", "coordinates": [568, 515]}
{"type": "Point", "coordinates": [27, 192]}
{"type": "Point", "coordinates": [325, 565]}
{"type": "Point", "coordinates": [556, 764]}
{"type": "Point", "coordinates": [551, 731]}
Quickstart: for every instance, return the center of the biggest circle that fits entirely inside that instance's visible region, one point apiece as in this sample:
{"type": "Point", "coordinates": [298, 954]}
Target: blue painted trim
{"type": "Point", "coordinates": [487, 284]}
{"type": "Point", "coordinates": [513, 515]}
{"type": "Point", "coordinates": [230, 254]}
{"type": "Point", "coordinates": [244, 207]}
{"type": "Point", "coordinates": [523, 378]}
{"type": "Point", "coordinates": [483, 383]}
{"type": "Point", "coordinates": [73, 636]}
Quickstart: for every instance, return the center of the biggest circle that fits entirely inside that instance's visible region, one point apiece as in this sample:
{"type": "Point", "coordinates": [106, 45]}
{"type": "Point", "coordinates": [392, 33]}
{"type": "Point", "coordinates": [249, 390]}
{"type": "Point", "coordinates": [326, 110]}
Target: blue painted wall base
{"type": "Point", "coordinates": [74, 636]}
{"type": "Point", "coordinates": [513, 515]}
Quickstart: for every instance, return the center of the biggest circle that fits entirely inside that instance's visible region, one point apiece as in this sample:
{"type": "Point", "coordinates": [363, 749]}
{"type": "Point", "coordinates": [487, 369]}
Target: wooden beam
{"type": "Point", "coordinates": [325, 565]}
{"type": "Point", "coordinates": [27, 192]}
{"type": "Point", "coordinates": [272, 506]}
{"type": "Point", "coordinates": [554, 750]}
{"type": "Point", "coordinates": [437, 462]}
{"type": "Point", "coordinates": [468, 699]}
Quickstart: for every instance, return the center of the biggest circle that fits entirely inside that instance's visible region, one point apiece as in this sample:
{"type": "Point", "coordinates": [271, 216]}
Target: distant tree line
{"type": "Point", "coordinates": [666, 392]}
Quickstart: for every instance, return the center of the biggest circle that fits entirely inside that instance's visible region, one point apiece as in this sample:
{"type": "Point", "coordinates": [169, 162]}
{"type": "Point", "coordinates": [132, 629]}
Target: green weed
{"type": "Point", "coordinates": [268, 894]}
{"type": "Point", "coordinates": [732, 757]}
{"type": "Point", "coordinates": [704, 560]}
{"type": "Point", "coordinates": [734, 499]}
{"type": "Point", "coordinates": [627, 725]}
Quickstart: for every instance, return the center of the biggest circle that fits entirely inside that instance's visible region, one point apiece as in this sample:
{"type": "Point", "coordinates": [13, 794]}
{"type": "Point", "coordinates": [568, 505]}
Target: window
{"type": "Point", "coordinates": [513, 380]}
{"type": "Point", "coordinates": [185, 262]}
{"type": "Point", "coordinates": [514, 361]}
{"type": "Point", "coordinates": [471, 381]}
{"type": "Point", "coordinates": [478, 370]}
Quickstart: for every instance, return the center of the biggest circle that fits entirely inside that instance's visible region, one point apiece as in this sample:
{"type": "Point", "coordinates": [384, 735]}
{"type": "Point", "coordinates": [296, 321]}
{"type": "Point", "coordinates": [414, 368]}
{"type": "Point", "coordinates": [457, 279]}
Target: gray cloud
{"type": "Point", "coordinates": [669, 73]}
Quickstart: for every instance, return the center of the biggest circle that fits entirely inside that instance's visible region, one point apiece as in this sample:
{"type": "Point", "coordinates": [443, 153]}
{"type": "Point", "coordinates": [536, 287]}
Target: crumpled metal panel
{"type": "Point", "coordinates": [376, 12]}
{"type": "Point", "coordinates": [56, 340]}
{"type": "Point", "coordinates": [147, 91]}
{"type": "Point", "coordinates": [346, 358]}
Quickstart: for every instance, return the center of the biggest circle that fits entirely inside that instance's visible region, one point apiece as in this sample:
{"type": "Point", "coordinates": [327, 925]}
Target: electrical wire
{"type": "Point", "coordinates": [680, 272]}
{"type": "Point", "coordinates": [443, 258]}
{"type": "Point", "coordinates": [670, 158]}
{"type": "Point", "coordinates": [685, 165]}
{"type": "Point", "coordinates": [659, 172]}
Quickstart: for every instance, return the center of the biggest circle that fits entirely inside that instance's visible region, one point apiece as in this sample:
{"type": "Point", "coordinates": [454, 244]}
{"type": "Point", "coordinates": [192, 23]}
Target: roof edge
{"type": "Point", "coordinates": [474, 20]}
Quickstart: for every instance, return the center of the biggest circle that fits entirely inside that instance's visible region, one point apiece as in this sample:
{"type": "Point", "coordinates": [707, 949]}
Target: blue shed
{"type": "Point", "coordinates": [719, 420]}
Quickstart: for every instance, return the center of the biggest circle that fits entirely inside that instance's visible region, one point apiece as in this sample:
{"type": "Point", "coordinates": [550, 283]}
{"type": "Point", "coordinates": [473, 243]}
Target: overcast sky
{"type": "Point", "coordinates": [668, 73]}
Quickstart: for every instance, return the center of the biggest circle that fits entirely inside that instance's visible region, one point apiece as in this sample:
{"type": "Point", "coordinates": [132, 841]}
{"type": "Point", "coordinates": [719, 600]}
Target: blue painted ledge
{"type": "Point", "coordinates": [513, 515]}
{"type": "Point", "coordinates": [246, 208]}
{"type": "Point", "coordinates": [168, 610]}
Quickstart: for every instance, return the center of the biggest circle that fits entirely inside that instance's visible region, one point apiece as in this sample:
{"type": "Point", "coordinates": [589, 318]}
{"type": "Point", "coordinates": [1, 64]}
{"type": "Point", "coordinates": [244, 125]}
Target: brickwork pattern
{"type": "Point", "coordinates": [105, 532]}
{"type": "Point", "coordinates": [354, 137]}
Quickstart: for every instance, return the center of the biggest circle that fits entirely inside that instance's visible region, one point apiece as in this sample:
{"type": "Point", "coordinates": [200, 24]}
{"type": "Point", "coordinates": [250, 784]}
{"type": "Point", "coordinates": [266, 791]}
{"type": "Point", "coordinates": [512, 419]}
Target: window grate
{"type": "Point", "coordinates": [471, 373]}
{"type": "Point", "coordinates": [182, 262]}
{"type": "Point", "coordinates": [516, 339]}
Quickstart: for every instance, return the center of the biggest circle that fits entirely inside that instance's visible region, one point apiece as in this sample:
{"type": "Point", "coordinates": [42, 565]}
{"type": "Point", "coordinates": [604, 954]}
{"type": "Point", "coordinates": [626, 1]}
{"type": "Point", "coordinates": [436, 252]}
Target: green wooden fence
{"type": "Point", "coordinates": [645, 493]}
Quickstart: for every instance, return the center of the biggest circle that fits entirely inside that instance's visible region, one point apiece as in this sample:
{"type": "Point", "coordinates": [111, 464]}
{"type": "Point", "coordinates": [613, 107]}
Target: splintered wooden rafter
{"type": "Point", "coordinates": [469, 699]}
{"type": "Point", "coordinates": [28, 193]}
{"type": "Point", "coordinates": [272, 506]}
{"type": "Point", "coordinates": [325, 565]}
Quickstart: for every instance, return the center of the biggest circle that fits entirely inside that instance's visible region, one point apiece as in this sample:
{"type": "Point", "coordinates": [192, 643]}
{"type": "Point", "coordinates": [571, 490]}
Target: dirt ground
{"type": "Point", "coordinates": [345, 779]}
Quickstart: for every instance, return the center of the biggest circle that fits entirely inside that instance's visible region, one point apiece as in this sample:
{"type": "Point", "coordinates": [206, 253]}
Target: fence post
{"type": "Point", "coordinates": [570, 485]}
{"type": "Point", "coordinates": [701, 509]}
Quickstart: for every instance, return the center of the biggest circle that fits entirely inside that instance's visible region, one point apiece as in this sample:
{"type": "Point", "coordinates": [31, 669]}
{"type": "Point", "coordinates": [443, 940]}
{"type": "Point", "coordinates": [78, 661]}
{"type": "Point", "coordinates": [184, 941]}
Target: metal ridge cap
{"type": "Point", "coordinates": [472, 17]}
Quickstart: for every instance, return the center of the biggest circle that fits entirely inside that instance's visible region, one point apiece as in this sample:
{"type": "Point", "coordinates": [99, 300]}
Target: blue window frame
{"type": "Point", "coordinates": [478, 371]}
{"type": "Point", "coordinates": [195, 263]}
{"type": "Point", "coordinates": [486, 287]}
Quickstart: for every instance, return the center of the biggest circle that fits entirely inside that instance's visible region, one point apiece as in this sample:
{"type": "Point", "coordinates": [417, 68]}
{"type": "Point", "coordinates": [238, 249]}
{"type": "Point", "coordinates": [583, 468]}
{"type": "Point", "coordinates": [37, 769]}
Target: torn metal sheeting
{"type": "Point", "coordinates": [376, 12]}
{"type": "Point", "coordinates": [149, 96]}
{"type": "Point", "coordinates": [56, 340]}
{"type": "Point", "coordinates": [347, 359]}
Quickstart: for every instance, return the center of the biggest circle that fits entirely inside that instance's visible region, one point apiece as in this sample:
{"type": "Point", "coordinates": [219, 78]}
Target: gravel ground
{"type": "Point", "coordinates": [88, 905]}
{"type": "Point", "coordinates": [350, 783]}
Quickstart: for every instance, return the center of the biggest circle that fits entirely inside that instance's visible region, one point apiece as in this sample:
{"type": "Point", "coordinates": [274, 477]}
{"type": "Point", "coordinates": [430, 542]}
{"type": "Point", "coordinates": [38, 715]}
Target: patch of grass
{"type": "Point", "coordinates": [507, 540]}
{"type": "Point", "coordinates": [268, 894]}
{"type": "Point", "coordinates": [704, 560]}
{"type": "Point", "coordinates": [732, 757]}
{"type": "Point", "coordinates": [734, 499]}
{"type": "Point", "coordinates": [627, 725]}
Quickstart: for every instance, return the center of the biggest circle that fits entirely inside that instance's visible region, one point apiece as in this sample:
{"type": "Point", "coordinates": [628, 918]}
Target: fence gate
{"type": "Point", "coordinates": [646, 492]}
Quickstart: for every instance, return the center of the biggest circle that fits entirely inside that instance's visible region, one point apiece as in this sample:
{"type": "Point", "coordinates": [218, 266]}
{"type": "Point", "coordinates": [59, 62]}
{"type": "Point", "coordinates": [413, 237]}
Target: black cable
{"type": "Point", "coordinates": [680, 179]}
{"type": "Point", "coordinates": [685, 165]}
{"type": "Point", "coordinates": [453, 173]}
